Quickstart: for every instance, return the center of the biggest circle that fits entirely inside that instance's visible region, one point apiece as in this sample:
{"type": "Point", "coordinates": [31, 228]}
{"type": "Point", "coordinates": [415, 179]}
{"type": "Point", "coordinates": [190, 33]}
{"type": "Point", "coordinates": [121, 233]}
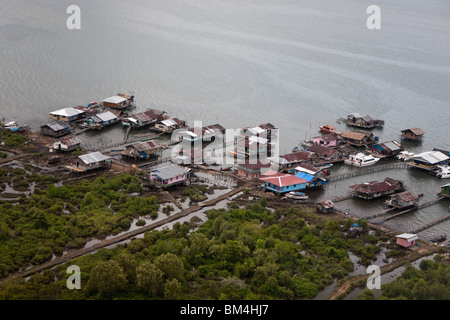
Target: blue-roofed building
{"type": "Point", "coordinates": [313, 181]}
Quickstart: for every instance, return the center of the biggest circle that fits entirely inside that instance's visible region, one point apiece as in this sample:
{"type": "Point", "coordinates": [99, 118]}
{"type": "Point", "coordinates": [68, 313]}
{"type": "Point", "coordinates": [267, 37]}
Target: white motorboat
{"type": "Point", "coordinates": [404, 155]}
{"type": "Point", "coordinates": [361, 160]}
{"type": "Point", "coordinates": [443, 172]}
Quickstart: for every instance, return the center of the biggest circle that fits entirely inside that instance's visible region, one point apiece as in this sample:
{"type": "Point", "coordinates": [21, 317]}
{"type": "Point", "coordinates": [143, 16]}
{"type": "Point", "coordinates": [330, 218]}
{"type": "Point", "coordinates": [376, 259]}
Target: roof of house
{"type": "Point", "coordinates": [305, 176]}
{"type": "Point", "coordinates": [169, 171]}
{"type": "Point", "coordinates": [393, 145]}
{"type": "Point", "coordinates": [376, 186]}
{"type": "Point", "coordinates": [147, 145]}
{"type": "Point", "coordinates": [172, 122]}
{"type": "Point", "coordinates": [353, 135]}
{"type": "Point", "coordinates": [283, 180]}
{"type": "Point", "coordinates": [317, 148]}
{"type": "Point", "coordinates": [308, 168]}
{"type": "Point", "coordinates": [327, 137]}
{"type": "Point", "coordinates": [416, 131]}
{"type": "Point", "coordinates": [271, 173]}
{"type": "Point", "coordinates": [297, 156]}
{"type": "Point", "coordinates": [408, 236]}
{"type": "Point", "coordinates": [70, 141]}
{"type": "Point", "coordinates": [93, 157]}
{"type": "Point", "coordinates": [431, 157]}
{"type": "Point", "coordinates": [106, 116]}
{"type": "Point", "coordinates": [115, 100]}
{"type": "Point", "coordinates": [67, 112]}
{"type": "Point", "coordinates": [367, 118]}
{"type": "Point", "coordinates": [56, 126]}
{"type": "Point", "coordinates": [147, 115]}
{"type": "Point", "coordinates": [253, 165]}
{"type": "Point", "coordinates": [406, 196]}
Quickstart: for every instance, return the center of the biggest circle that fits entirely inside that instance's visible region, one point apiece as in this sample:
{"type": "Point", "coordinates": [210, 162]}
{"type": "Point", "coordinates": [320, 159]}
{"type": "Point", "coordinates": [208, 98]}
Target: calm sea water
{"type": "Point", "coordinates": [296, 64]}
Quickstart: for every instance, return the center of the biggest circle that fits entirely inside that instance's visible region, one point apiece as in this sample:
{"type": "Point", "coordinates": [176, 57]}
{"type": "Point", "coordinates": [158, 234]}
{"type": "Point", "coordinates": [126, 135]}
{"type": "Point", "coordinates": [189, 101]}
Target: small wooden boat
{"type": "Point", "coordinates": [297, 195]}
{"type": "Point", "coordinates": [15, 127]}
{"type": "Point", "coordinates": [328, 129]}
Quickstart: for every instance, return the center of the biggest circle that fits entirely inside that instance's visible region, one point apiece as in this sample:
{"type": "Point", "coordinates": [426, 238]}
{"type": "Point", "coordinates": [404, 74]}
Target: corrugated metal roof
{"type": "Point", "coordinates": [106, 116]}
{"type": "Point", "coordinates": [66, 112]}
{"type": "Point", "coordinates": [55, 126]}
{"type": "Point", "coordinates": [406, 196]}
{"type": "Point", "coordinates": [376, 186]}
{"type": "Point", "coordinates": [432, 157]}
{"type": "Point", "coordinates": [297, 156]}
{"type": "Point", "coordinates": [170, 171]}
{"type": "Point", "coordinates": [70, 141]}
{"type": "Point", "coordinates": [367, 118]}
{"type": "Point", "coordinates": [93, 157]}
{"type": "Point", "coordinates": [148, 115]}
{"type": "Point", "coordinates": [115, 100]}
{"type": "Point", "coordinates": [317, 148]}
{"type": "Point", "coordinates": [147, 145]}
{"type": "Point", "coordinates": [408, 236]}
{"type": "Point", "coordinates": [305, 176]}
{"type": "Point", "coordinates": [393, 145]}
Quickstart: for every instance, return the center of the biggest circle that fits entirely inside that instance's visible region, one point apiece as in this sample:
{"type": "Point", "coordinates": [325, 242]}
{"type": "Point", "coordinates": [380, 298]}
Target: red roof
{"type": "Point", "coordinates": [283, 180]}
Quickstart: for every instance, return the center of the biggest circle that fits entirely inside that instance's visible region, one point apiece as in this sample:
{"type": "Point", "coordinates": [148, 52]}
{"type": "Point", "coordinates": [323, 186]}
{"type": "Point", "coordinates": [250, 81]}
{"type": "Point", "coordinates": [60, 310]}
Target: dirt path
{"type": "Point", "coordinates": [81, 252]}
{"type": "Point", "coordinates": [341, 291]}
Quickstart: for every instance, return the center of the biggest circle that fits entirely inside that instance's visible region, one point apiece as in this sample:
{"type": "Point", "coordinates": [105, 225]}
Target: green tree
{"type": "Point", "coordinates": [107, 278]}
{"type": "Point", "coordinates": [172, 290]}
{"type": "Point", "coordinates": [171, 266]}
{"type": "Point", "coordinates": [128, 263]}
{"type": "Point", "coordinates": [149, 278]}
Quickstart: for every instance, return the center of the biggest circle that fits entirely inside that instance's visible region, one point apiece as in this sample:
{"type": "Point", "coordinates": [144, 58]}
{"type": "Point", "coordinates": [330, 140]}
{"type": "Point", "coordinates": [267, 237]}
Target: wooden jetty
{"type": "Point", "coordinates": [423, 205]}
{"type": "Point", "coordinates": [430, 224]}
{"type": "Point", "coordinates": [343, 197]}
{"type": "Point", "coordinates": [368, 170]}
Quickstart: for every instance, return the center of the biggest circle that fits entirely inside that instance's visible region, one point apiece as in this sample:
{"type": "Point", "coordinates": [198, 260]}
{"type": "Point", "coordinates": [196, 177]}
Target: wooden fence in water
{"type": "Point", "coordinates": [364, 171]}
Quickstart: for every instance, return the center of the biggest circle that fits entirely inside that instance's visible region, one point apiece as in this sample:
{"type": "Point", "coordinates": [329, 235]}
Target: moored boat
{"type": "Point", "coordinates": [443, 172]}
{"type": "Point", "coordinates": [404, 155]}
{"type": "Point", "coordinates": [328, 129]}
{"type": "Point", "coordinates": [297, 195]}
{"type": "Point", "coordinates": [361, 160]}
{"type": "Point", "coordinates": [15, 127]}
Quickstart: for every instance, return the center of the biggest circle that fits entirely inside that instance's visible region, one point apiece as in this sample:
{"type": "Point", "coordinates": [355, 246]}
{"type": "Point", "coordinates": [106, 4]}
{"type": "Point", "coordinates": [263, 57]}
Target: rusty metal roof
{"type": "Point", "coordinates": [70, 141]}
{"type": "Point", "coordinates": [317, 148]}
{"type": "Point", "coordinates": [376, 186]}
{"type": "Point", "coordinates": [148, 115]}
{"type": "Point", "coordinates": [147, 145]}
{"type": "Point", "coordinates": [297, 156]}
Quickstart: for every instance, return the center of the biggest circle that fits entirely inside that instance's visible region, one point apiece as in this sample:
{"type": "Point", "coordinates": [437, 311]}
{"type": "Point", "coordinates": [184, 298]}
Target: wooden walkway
{"type": "Point", "coordinates": [364, 171]}
{"type": "Point", "coordinates": [423, 205]}
{"type": "Point", "coordinates": [430, 224]}
{"type": "Point", "coordinates": [343, 197]}
{"type": "Point", "coordinates": [77, 253]}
